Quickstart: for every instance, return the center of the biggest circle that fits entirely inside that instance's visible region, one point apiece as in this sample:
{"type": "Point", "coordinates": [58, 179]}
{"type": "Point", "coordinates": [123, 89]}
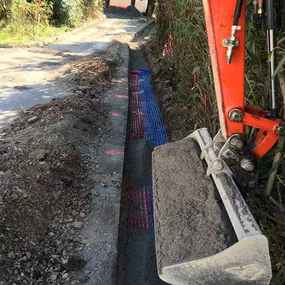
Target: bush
{"type": "Point", "coordinates": [4, 9]}
{"type": "Point", "coordinates": [68, 12]}
{"type": "Point", "coordinates": [93, 8]}
{"type": "Point", "coordinates": [29, 18]}
{"type": "Point", "coordinates": [62, 12]}
{"type": "Point", "coordinates": [72, 12]}
{"type": "Point", "coordinates": [183, 20]}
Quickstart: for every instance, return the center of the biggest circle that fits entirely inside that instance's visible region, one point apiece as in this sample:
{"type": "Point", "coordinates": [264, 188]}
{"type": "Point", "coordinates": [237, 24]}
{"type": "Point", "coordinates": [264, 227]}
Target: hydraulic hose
{"type": "Point", "coordinates": [237, 12]}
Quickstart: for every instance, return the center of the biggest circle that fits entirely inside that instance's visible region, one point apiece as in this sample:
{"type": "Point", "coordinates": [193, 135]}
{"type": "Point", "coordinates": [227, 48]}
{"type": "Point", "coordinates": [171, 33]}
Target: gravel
{"type": "Point", "coordinates": [77, 225]}
{"type": "Point", "coordinates": [129, 12]}
{"type": "Point", "coordinates": [47, 163]}
{"type": "Point", "coordinates": [191, 221]}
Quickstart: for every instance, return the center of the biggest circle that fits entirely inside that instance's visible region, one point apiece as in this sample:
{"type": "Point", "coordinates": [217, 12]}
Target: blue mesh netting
{"type": "Point", "coordinates": [154, 127]}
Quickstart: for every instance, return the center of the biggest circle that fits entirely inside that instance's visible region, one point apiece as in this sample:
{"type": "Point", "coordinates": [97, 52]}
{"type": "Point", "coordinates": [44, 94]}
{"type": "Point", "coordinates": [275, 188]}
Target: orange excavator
{"type": "Point", "coordinates": [141, 5]}
{"type": "Point", "coordinates": [205, 231]}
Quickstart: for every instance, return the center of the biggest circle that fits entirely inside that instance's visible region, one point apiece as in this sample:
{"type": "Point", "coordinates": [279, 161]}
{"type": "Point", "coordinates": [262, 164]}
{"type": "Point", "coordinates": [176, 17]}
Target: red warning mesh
{"type": "Point", "coordinates": [136, 120]}
{"type": "Point", "coordinates": [139, 210]}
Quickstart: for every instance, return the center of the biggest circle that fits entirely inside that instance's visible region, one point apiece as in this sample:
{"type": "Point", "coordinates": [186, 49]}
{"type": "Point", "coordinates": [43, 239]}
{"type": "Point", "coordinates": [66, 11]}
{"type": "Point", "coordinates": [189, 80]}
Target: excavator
{"type": "Point", "coordinates": [205, 232]}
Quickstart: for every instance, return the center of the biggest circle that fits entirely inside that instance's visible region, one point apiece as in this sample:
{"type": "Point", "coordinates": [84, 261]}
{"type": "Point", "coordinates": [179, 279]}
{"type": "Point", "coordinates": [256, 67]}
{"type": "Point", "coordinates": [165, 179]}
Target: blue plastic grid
{"type": "Point", "coordinates": [154, 126]}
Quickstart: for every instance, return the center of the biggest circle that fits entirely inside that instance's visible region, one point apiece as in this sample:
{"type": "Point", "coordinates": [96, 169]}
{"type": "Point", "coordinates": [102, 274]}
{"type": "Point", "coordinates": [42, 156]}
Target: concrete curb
{"type": "Point", "coordinates": [101, 233]}
{"type": "Point", "coordinates": [52, 40]}
{"type": "Point", "coordinates": [141, 32]}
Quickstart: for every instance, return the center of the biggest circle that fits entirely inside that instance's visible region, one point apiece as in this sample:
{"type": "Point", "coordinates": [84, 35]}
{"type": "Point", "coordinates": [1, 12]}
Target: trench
{"type": "Point", "coordinates": [136, 252]}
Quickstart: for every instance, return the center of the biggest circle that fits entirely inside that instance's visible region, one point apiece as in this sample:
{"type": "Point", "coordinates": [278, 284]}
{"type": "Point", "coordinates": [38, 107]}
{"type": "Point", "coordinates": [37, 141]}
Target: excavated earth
{"type": "Point", "coordinates": [191, 221]}
{"type": "Point", "coordinates": [48, 157]}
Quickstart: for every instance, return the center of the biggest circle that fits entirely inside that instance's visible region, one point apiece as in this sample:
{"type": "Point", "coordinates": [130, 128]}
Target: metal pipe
{"type": "Point", "coordinates": [271, 68]}
{"type": "Point", "coordinates": [271, 22]}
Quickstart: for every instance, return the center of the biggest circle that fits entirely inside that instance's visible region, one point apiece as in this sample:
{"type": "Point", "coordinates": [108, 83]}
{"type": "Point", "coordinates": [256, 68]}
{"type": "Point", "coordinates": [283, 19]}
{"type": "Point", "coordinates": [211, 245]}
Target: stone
{"type": "Point", "coordinates": [67, 180]}
{"type": "Point", "coordinates": [64, 260]}
{"type": "Point", "coordinates": [53, 277]}
{"type": "Point", "coordinates": [77, 225]}
{"type": "Point", "coordinates": [3, 149]}
{"type": "Point", "coordinates": [12, 255]}
{"type": "Point", "coordinates": [33, 119]}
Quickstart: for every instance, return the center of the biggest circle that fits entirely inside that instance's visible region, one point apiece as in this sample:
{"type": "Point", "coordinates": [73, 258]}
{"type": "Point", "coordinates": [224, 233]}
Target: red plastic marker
{"type": "Point", "coordinates": [114, 152]}
{"type": "Point", "coordinates": [121, 96]}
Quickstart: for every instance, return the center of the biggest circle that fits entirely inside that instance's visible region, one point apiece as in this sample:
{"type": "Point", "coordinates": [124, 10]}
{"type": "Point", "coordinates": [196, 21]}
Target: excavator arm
{"type": "Point", "coordinates": [226, 27]}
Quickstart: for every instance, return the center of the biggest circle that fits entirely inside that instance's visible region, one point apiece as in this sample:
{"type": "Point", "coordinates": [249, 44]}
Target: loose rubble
{"type": "Point", "coordinates": [46, 157]}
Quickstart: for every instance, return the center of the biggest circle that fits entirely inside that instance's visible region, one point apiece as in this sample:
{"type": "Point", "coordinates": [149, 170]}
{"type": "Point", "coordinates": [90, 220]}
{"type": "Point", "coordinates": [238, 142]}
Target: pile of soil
{"type": "Point", "coordinates": [47, 157]}
{"type": "Point", "coordinates": [129, 12]}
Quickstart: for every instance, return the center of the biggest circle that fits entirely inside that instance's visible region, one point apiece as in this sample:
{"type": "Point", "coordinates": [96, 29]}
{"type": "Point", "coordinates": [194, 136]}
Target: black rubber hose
{"type": "Point", "coordinates": [237, 12]}
{"type": "Point", "coordinates": [272, 15]}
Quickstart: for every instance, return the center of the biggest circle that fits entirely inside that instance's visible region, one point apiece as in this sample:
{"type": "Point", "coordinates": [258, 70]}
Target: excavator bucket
{"type": "Point", "coordinates": [205, 232]}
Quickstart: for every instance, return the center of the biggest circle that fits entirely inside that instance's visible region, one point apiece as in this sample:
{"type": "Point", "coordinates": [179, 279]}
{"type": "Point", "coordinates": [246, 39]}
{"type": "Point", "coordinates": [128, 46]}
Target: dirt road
{"type": "Point", "coordinates": [28, 75]}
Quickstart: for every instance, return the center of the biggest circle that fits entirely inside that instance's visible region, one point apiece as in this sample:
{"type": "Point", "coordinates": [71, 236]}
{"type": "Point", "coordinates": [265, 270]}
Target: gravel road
{"type": "Point", "coordinates": [27, 75]}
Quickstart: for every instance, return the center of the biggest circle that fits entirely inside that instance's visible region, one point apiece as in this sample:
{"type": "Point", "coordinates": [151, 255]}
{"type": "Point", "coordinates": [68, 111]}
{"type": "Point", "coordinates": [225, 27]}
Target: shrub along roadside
{"type": "Point", "coordinates": [72, 12]}
{"type": "Point", "coordinates": [22, 21]}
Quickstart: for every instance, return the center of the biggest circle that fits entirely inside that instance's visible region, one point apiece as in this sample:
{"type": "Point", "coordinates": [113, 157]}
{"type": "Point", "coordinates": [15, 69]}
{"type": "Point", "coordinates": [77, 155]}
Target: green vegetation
{"type": "Point", "coordinates": [73, 12]}
{"type": "Point", "coordinates": [184, 21]}
{"type": "Point", "coordinates": [22, 21]}
{"type": "Point", "coordinates": [12, 35]}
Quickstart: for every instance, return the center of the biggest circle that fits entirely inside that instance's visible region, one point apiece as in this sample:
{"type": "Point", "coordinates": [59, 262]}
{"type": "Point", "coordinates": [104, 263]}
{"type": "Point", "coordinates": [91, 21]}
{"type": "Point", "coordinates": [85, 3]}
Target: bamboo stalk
{"type": "Point", "coordinates": [269, 186]}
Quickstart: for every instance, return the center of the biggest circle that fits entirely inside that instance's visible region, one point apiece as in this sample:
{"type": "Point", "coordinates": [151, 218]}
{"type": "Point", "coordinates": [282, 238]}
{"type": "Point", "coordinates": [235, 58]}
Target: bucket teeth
{"type": "Point", "coordinates": [199, 238]}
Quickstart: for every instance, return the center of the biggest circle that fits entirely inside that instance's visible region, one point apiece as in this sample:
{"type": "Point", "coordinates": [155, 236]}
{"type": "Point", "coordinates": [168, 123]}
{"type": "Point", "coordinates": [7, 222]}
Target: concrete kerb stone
{"type": "Point", "coordinates": [101, 233]}
{"type": "Point", "coordinates": [103, 228]}
{"type": "Point", "coordinates": [145, 27]}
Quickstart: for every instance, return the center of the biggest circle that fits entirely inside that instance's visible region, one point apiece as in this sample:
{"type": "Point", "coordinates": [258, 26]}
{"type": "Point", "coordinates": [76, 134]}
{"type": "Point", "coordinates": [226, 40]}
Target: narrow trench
{"type": "Point", "coordinates": [136, 253]}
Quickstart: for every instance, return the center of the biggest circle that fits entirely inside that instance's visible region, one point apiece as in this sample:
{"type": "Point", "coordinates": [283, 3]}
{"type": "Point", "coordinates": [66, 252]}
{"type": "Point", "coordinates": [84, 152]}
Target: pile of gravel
{"type": "Point", "coordinates": [48, 157]}
{"type": "Point", "coordinates": [129, 12]}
